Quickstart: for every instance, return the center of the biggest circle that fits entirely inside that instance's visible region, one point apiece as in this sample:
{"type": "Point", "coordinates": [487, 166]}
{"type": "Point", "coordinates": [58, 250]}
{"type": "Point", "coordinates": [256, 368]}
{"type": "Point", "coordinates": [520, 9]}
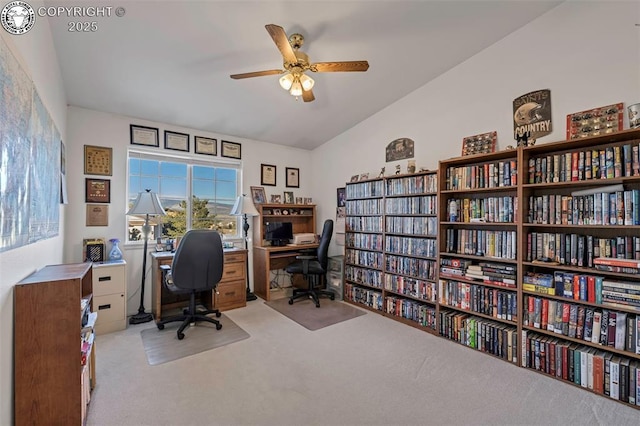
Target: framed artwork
{"type": "Point", "coordinates": [98, 160]}
{"type": "Point", "coordinates": [143, 135]}
{"type": "Point", "coordinates": [479, 144]}
{"type": "Point", "coordinates": [276, 199]}
{"type": "Point", "coordinates": [288, 197]}
{"type": "Point", "coordinates": [399, 149]}
{"type": "Point", "coordinates": [268, 174]}
{"type": "Point", "coordinates": [206, 146]}
{"type": "Point", "coordinates": [97, 190]}
{"type": "Point", "coordinates": [595, 122]}
{"type": "Point", "coordinates": [258, 195]}
{"type": "Point", "coordinates": [341, 197]}
{"type": "Point", "coordinates": [176, 141]}
{"type": "Point", "coordinates": [97, 215]}
{"type": "Point", "coordinates": [231, 149]}
{"type": "Point", "coordinates": [293, 177]}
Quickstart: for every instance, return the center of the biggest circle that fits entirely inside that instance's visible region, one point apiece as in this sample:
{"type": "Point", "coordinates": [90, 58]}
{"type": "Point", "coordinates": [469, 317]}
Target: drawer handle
{"type": "Point", "coordinates": [107, 278]}
{"type": "Point", "coordinates": [104, 306]}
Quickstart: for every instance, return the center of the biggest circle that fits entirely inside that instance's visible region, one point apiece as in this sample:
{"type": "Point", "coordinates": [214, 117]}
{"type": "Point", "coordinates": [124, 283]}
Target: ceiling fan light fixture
{"type": "Point", "coordinates": [307, 82]}
{"type": "Point", "coordinates": [296, 88]}
{"type": "Point", "coordinates": [286, 81]}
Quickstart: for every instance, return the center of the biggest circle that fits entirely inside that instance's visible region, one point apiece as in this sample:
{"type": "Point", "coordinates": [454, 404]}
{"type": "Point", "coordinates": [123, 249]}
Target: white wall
{"type": "Point", "coordinates": [88, 127]}
{"type": "Point", "coordinates": [36, 54]}
{"type": "Point", "coordinates": [586, 53]}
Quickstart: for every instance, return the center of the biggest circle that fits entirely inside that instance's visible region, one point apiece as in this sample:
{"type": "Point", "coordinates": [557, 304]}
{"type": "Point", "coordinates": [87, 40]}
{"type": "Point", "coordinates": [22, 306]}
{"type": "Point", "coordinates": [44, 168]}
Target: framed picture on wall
{"type": "Point", "coordinates": [258, 195]}
{"type": "Point", "coordinates": [176, 141]}
{"type": "Point", "coordinates": [97, 191]}
{"type": "Point", "coordinates": [97, 160]}
{"type": "Point", "coordinates": [206, 146]}
{"type": "Point", "coordinates": [293, 177]}
{"type": "Point", "coordinates": [143, 135]}
{"type": "Point", "coordinates": [231, 149]}
{"type": "Point", "coordinates": [268, 174]}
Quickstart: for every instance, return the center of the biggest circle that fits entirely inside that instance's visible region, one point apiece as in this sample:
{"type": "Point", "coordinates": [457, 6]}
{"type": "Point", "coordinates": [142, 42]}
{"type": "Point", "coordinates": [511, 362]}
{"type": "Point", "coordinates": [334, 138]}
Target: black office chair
{"type": "Point", "coordinates": [197, 267]}
{"type": "Point", "coordinates": [314, 269]}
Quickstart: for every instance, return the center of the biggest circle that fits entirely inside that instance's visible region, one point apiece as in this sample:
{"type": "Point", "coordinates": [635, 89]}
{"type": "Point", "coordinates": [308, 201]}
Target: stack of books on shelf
{"type": "Point", "coordinates": [493, 273]}
{"type": "Point", "coordinates": [612, 264]}
{"type": "Point", "coordinates": [454, 268]}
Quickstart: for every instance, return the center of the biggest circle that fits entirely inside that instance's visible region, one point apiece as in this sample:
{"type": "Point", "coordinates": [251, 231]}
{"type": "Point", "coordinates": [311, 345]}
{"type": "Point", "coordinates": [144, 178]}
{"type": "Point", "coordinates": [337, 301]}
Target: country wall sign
{"type": "Point", "coordinates": [532, 116]}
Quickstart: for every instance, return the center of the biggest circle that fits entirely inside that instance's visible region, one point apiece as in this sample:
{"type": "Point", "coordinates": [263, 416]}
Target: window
{"type": "Point", "coordinates": [195, 194]}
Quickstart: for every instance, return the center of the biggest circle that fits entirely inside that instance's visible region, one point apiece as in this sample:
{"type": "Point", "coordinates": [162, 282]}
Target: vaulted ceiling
{"type": "Point", "coordinates": [170, 61]}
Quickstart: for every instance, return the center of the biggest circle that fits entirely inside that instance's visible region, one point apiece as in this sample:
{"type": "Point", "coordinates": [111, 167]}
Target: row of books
{"type": "Point", "coordinates": [412, 185]}
{"type": "Point", "coordinates": [606, 163]}
{"type": "Point", "coordinates": [493, 273]}
{"type": "Point", "coordinates": [366, 207]}
{"type": "Point", "coordinates": [421, 268]}
{"type": "Point", "coordinates": [412, 225]}
{"type": "Point", "coordinates": [606, 327]}
{"type": "Point", "coordinates": [420, 313]}
{"type": "Point", "coordinates": [363, 296]}
{"type": "Point", "coordinates": [373, 188]}
{"type": "Point", "coordinates": [411, 246]}
{"type": "Point", "coordinates": [427, 204]}
{"type": "Point", "coordinates": [370, 259]}
{"type": "Point", "coordinates": [364, 241]}
{"type": "Point", "coordinates": [371, 277]}
{"type": "Point", "coordinates": [420, 289]}
{"type": "Point", "coordinates": [618, 264]}
{"type": "Point", "coordinates": [363, 223]}
{"type": "Point", "coordinates": [489, 243]}
{"type": "Point", "coordinates": [605, 208]}
{"type": "Point", "coordinates": [480, 299]}
{"type": "Point", "coordinates": [498, 339]}
{"type": "Point", "coordinates": [488, 209]}
{"type": "Point", "coordinates": [580, 250]}
{"type": "Point", "coordinates": [602, 372]}
{"type": "Point", "coordinates": [487, 175]}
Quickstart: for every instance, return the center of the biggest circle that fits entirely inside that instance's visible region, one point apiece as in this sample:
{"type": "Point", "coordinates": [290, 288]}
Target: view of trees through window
{"type": "Point", "coordinates": [194, 195]}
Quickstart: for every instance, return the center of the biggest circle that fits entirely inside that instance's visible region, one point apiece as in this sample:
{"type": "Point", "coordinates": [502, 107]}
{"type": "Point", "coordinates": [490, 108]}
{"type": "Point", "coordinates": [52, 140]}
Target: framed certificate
{"type": "Point", "coordinates": [97, 215]}
{"type": "Point", "coordinates": [97, 160]}
{"type": "Point", "coordinates": [206, 146]}
{"type": "Point", "coordinates": [231, 149]}
{"type": "Point", "coordinates": [143, 135]}
{"type": "Point", "coordinates": [176, 141]}
{"type": "Point", "coordinates": [268, 174]}
{"type": "Point", "coordinates": [293, 177]}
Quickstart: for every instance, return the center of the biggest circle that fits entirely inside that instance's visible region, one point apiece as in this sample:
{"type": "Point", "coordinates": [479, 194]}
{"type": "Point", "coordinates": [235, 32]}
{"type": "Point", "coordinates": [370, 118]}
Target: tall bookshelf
{"type": "Point", "coordinates": [478, 256]}
{"type": "Point", "coordinates": [580, 203]}
{"type": "Point", "coordinates": [391, 246]}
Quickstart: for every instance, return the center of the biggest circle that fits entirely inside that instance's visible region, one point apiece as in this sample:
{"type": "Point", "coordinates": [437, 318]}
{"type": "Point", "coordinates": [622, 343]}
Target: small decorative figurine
{"type": "Point", "coordinates": [381, 174]}
{"type": "Point", "coordinates": [398, 169]}
{"type": "Point", "coordinates": [411, 166]}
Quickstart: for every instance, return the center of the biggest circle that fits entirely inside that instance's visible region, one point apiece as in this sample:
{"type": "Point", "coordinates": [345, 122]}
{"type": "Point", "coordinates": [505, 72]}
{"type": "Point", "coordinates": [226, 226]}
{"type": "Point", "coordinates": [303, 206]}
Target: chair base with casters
{"type": "Point", "coordinates": [311, 292]}
{"type": "Point", "coordinates": [189, 315]}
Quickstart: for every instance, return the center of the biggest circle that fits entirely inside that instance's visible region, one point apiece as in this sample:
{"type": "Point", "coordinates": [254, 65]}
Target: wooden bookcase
{"type": "Point", "coordinates": [562, 232]}
{"type": "Point", "coordinates": [391, 247]}
{"type": "Point", "coordinates": [478, 232]}
{"type": "Point", "coordinates": [301, 216]}
{"type": "Point", "coordinates": [53, 377]}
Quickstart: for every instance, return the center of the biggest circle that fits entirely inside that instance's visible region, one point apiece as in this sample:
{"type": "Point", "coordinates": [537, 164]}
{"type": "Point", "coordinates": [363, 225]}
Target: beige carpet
{"type": "Point", "coordinates": [305, 313]}
{"type": "Point", "coordinates": [163, 345]}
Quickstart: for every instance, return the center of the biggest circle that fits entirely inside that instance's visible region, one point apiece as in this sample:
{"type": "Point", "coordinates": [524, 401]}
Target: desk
{"type": "Point", "coordinates": [232, 288]}
{"type": "Point", "coordinates": [266, 259]}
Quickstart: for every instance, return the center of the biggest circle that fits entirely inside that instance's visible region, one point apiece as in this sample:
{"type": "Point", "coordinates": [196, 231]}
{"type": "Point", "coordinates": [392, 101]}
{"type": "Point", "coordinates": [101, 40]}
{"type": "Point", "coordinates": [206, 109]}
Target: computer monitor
{"type": "Point", "coordinates": [279, 233]}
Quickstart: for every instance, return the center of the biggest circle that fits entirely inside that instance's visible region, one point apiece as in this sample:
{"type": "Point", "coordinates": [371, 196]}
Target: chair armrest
{"type": "Point", "coordinates": [303, 257]}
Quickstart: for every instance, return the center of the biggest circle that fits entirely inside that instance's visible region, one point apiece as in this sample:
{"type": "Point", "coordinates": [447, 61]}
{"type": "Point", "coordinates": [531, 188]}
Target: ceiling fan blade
{"type": "Point", "coordinates": [280, 38]}
{"type": "Point", "coordinates": [255, 74]}
{"type": "Point", "coordinates": [340, 66]}
{"type": "Point", "coordinates": [307, 95]}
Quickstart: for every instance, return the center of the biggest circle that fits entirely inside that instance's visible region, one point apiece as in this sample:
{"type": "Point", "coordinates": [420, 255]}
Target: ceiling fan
{"type": "Point", "coordinates": [295, 81]}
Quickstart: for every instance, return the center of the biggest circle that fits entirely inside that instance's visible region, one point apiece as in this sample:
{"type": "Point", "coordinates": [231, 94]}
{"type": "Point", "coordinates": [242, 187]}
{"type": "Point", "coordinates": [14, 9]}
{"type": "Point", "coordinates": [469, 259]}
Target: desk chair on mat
{"type": "Point", "coordinates": [314, 269]}
{"type": "Point", "coordinates": [197, 267]}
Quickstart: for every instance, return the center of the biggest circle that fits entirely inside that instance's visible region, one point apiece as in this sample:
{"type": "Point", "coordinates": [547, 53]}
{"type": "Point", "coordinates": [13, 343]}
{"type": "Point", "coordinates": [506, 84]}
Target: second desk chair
{"type": "Point", "coordinates": [197, 267]}
{"type": "Point", "coordinates": [314, 268]}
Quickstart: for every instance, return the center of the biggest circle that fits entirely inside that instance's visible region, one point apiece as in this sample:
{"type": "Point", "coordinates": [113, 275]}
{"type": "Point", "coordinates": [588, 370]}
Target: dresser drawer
{"type": "Point", "coordinates": [233, 271]}
{"type": "Point", "coordinates": [108, 279]}
{"type": "Point", "coordinates": [109, 308]}
{"type": "Point", "coordinates": [231, 295]}
{"type": "Point", "coordinates": [233, 258]}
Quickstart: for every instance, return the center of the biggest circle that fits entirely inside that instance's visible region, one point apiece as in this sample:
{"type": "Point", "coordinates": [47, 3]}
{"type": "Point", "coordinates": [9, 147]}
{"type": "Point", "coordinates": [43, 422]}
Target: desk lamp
{"type": "Point", "coordinates": [146, 204]}
{"type": "Point", "coordinates": [244, 207]}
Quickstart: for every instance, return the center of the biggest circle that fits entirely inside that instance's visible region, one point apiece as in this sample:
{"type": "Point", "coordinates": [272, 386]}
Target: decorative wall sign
{"type": "Point", "coordinates": [143, 135]}
{"type": "Point", "coordinates": [399, 149]}
{"type": "Point", "coordinates": [97, 191]}
{"type": "Point", "coordinates": [97, 160]}
{"type": "Point", "coordinates": [206, 146]}
{"type": "Point", "coordinates": [479, 144]}
{"type": "Point", "coordinates": [231, 149]}
{"type": "Point", "coordinates": [594, 122]}
{"type": "Point", "coordinates": [532, 113]}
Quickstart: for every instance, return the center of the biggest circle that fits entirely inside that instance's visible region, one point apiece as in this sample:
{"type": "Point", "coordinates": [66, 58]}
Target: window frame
{"type": "Point", "coordinates": [190, 160]}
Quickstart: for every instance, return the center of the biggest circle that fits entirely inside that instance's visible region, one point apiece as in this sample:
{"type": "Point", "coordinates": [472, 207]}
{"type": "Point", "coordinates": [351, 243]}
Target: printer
{"type": "Point", "coordinates": [304, 238]}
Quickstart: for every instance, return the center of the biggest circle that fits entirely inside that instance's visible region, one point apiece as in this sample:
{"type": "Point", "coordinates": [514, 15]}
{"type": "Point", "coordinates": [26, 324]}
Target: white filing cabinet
{"type": "Point", "coordinates": [110, 295]}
